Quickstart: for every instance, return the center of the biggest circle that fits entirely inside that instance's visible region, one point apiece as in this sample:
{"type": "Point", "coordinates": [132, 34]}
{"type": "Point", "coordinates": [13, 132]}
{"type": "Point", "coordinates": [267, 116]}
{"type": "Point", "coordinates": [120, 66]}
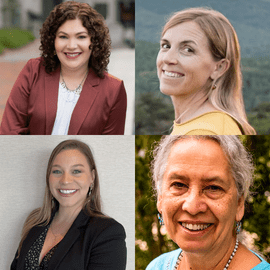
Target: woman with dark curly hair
{"type": "Point", "coordinates": [68, 90]}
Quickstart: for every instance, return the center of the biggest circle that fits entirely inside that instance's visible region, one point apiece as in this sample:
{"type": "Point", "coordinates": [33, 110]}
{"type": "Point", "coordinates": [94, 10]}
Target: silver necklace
{"type": "Point", "coordinates": [78, 90]}
{"type": "Point", "coordinates": [226, 266]}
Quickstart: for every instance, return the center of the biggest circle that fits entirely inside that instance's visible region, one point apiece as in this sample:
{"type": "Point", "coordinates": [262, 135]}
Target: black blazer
{"type": "Point", "coordinates": [94, 243]}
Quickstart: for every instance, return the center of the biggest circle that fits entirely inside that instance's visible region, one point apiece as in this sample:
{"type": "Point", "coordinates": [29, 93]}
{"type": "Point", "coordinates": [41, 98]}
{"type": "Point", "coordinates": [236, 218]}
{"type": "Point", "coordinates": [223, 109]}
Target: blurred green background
{"type": "Point", "coordinates": [14, 38]}
{"type": "Point", "coordinates": [150, 238]}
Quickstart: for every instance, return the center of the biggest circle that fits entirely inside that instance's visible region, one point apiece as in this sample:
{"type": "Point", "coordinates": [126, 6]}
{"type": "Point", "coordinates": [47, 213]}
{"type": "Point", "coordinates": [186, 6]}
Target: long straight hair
{"type": "Point", "coordinates": [92, 204]}
{"type": "Point", "coordinates": [223, 44]}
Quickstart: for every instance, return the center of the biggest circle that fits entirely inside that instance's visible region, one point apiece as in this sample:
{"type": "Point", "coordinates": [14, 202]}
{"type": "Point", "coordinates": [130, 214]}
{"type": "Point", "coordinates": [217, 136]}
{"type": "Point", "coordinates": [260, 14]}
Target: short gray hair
{"type": "Point", "coordinates": [240, 161]}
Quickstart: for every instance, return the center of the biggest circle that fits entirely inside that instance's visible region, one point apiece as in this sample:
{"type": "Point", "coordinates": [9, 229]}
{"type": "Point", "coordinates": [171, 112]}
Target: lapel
{"type": "Point", "coordinates": [69, 239]}
{"type": "Point", "coordinates": [51, 97]}
{"type": "Point", "coordinates": [28, 242]}
{"type": "Point", "coordinates": [85, 102]}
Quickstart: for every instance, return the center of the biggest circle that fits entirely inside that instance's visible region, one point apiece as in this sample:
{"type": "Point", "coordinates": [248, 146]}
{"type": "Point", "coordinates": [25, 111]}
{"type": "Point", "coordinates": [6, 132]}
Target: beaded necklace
{"type": "Point", "coordinates": [78, 90]}
{"type": "Point", "coordinates": [226, 266]}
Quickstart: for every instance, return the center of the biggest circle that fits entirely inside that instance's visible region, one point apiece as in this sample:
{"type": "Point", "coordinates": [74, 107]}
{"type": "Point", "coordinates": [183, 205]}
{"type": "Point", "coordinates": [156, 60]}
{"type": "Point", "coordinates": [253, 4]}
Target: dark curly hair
{"type": "Point", "coordinates": [91, 20]}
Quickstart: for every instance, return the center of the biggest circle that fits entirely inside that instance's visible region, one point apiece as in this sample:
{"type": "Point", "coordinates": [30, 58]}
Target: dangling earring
{"type": "Point", "coordinates": [160, 219]}
{"type": "Point", "coordinates": [90, 189]}
{"type": "Point", "coordinates": [238, 227]}
{"type": "Point", "coordinates": [54, 53]}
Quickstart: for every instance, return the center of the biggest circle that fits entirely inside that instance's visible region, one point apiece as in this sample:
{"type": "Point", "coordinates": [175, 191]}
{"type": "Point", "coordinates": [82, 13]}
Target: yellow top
{"type": "Point", "coordinates": [211, 123]}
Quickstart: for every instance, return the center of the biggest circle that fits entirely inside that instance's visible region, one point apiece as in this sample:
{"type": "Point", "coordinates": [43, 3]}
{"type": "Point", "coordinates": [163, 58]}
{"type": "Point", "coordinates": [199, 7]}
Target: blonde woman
{"type": "Point", "coordinates": [198, 66]}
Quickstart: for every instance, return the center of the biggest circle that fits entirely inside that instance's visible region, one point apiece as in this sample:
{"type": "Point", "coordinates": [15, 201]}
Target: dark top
{"type": "Point", "coordinates": [32, 257]}
{"type": "Point", "coordinates": [92, 243]}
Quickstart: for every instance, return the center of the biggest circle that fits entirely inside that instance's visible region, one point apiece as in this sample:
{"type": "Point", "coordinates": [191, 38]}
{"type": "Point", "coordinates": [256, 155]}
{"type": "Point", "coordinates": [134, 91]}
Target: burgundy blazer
{"type": "Point", "coordinates": [32, 105]}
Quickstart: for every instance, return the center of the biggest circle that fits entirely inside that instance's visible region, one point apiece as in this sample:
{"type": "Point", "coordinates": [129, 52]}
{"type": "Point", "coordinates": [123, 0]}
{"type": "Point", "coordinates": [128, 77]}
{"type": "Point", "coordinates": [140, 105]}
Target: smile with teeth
{"type": "Point", "coordinates": [195, 227]}
{"type": "Point", "coordinates": [173, 74]}
{"type": "Point", "coordinates": [67, 191]}
{"type": "Point", "coordinates": [72, 54]}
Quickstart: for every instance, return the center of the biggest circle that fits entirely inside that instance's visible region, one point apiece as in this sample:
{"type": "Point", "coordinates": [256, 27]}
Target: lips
{"type": "Point", "coordinates": [195, 227]}
{"type": "Point", "coordinates": [172, 74]}
{"type": "Point", "coordinates": [72, 55]}
{"type": "Point", "coordinates": [67, 192]}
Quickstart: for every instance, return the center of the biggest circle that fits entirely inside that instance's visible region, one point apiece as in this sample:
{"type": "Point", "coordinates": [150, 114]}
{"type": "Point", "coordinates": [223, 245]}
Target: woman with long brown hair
{"type": "Point", "coordinates": [70, 231]}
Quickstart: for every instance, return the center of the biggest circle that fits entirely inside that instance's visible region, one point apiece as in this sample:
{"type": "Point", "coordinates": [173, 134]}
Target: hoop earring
{"type": "Point", "coordinates": [160, 219]}
{"type": "Point", "coordinates": [238, 227]}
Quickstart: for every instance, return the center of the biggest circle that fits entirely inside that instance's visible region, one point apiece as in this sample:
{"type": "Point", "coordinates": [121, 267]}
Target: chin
{"type": "Point", "coordinates": [194, 247]}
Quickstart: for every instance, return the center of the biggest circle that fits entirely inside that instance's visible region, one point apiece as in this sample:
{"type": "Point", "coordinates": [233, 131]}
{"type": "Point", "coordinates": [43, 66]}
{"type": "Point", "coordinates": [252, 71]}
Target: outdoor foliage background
{"type": "Point", "coordinates": [150, 240]}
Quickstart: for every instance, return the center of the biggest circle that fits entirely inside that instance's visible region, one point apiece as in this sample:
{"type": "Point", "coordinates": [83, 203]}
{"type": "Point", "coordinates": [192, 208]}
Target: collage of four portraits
{"type": "Point", "coordinates": [162, 111]}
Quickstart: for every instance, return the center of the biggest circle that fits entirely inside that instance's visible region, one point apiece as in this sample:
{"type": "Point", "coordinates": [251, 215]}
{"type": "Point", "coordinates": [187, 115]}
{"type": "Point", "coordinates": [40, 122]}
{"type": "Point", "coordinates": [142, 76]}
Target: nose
{"type": "Point", "coordinates": [170, 57]}
{"type": "Point", "coordinates": [72, 43]}
{"type": "Point", "coordinates": [66, 178]}
{"type": "Point", "coordinates": [194, 203]}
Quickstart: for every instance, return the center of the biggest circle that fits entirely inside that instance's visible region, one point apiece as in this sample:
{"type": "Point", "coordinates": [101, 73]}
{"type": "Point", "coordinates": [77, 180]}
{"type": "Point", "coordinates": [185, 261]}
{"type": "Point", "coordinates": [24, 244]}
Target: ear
{"type": "Point", "coordinates": [240, 209]}
{"type": "Point", "coordinates": [93, 175]}
{"type": "Point", "coordinates": [221, 67]}
{"type": "Point", "coordinates": [159, 203]}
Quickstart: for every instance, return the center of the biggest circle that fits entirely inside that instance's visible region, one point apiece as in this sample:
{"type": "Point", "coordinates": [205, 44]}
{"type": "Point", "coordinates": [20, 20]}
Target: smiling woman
{"type": "Point", "coordinates": [68, 90]}
{"type": "Point", "coordinates": [198, 66]}
{"type": "Point", "coordinates": [69, 230]}
{"type": "Point", "coordinates": [201, 184]}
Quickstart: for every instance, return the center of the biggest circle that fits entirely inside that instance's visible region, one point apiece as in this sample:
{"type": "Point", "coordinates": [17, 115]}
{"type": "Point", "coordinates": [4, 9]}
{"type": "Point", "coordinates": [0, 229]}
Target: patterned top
{"type": "Point", "coordinates": [32, 257]}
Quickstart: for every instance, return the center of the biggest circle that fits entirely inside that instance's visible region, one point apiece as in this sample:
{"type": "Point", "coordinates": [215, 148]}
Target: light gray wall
{"type": "Point", "coordinates": [23, 162]}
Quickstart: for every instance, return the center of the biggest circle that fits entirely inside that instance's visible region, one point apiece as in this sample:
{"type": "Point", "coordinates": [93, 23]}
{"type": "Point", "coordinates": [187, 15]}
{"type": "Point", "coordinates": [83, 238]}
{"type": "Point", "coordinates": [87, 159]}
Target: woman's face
{"type": "Point", "coordinates": [199, 201]}
{"type": "Point", "coordinates": [70, 178]}
{"type": "Point", "coordinates": [72, 43]}
{"type": "Point", "coordinates": [185, 64]}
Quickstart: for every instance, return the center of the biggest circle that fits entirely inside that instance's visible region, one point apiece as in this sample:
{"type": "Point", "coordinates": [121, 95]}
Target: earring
{"type": "Point", "coordinates": [160, 219]}
{"type": "Point", "coordinates": [214, 86]}
{"type": "Point", "coordinates": [54, 52]}
{"type": "Point", "coordinates": [238, 227]}
{"type": "Point", "coordinates": [90, 189]}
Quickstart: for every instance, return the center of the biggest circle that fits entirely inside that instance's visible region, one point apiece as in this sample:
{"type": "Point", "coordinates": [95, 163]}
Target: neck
{"type": "Point", "coordinates": [216, 259]}
{"type": "Point", "coordinates": [67, 215]}
{"type": "Point", "coordinates": [73, 74]}
{"type": "Point", "coordinates": [190, 106]}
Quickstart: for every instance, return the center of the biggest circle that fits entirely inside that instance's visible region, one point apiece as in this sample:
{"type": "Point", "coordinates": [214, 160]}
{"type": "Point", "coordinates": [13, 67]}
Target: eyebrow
{"type": "Point", "coordinates": [79, 33]}
{"type": "Point", "coordinates": [184, 42]}
{"type": "Point", "coordinates": [176, 176]}
{"type": "Point", "coordinates": [75, 165]}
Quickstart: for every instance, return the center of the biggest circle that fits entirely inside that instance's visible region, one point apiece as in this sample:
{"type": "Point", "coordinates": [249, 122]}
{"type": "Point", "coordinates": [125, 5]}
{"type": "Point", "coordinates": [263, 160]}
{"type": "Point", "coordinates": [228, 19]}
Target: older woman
{"type": "Point", "coordinates": [69, 231]}
{"type": "Point", "coordinates": [198, 66]}
{"type": "Point", "coordinates": [202, 183]}
{"type": "Point", "coordinates": [67, 90]}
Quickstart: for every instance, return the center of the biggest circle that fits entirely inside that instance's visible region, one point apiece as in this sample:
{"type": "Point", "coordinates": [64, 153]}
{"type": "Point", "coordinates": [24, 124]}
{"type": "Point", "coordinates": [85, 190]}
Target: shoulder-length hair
{"type": "Point", "coordinates": [223, 43]}
{"type": "Point", "coordinates": [91, 20]}
{"type": "Point", "coordinates": [92, 204]}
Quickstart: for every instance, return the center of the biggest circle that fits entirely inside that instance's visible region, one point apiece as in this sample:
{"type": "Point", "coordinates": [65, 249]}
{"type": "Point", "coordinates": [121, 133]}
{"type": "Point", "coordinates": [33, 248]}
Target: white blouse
{"type": "Point", "coordinates": [67, 101]}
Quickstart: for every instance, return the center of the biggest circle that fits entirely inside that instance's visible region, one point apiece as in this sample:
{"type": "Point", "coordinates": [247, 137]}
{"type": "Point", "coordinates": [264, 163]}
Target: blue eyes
{"type": "Point", "coordinates": [57, 172]}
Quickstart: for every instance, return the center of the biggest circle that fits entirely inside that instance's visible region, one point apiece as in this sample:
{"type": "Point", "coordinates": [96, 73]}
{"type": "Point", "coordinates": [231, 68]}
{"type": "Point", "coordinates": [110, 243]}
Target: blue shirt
{"type": "Point", "coordinates": [168, 260]}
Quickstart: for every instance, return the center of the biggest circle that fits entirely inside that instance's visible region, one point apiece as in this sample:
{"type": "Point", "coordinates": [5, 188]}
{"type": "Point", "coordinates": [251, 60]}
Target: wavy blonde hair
{"type": "Point", "coordinates": [92, 205]}
{"type": "Point", "coordinates": [223, 44]}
